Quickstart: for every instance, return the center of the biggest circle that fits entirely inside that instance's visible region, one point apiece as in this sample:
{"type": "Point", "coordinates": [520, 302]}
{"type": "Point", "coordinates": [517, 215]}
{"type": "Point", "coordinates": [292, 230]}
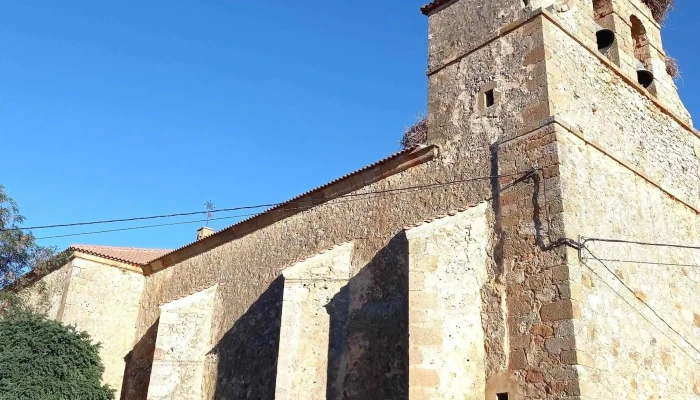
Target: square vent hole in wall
{"type": "Point", "coordinates": [489, 101]}
{"type": "Point", "coordinates": [502, 396]}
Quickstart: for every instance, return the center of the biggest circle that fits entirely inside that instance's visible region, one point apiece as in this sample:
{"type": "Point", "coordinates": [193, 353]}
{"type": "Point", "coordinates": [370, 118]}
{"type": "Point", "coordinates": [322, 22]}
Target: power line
{"type": "Point", "coordinates": [142, 227]}
{"type": "Point", "coordinates": [109, 221]}
{"type": "Point", "coordinates": [650, 263]}
{"type": "Point", "coordinates": [400, 189]}
{"type": "Point", "coordinates": [349, 198]}
{"type": "Point", "coordinates": [640, 300]}
{"type": "Point", "coordinates": [585, 240]}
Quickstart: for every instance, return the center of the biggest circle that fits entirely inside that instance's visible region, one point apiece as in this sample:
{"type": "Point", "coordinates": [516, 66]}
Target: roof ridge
{"type": "Point", "coordinates": [394, 156]}
{"type": "Point", "coordinates": [119, 247]}
{"type": "Point", "coordinates": [433, 5]}
{"type": "Point", "coordinates": [131, 255]}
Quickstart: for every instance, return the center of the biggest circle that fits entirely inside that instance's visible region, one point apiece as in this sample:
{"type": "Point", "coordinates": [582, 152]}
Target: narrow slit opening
{"type": "Point", "coordinates": [489, 100]}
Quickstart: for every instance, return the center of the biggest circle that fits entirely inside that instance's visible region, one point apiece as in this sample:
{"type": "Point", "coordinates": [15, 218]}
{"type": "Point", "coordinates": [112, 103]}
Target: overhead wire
{"type": "Point", "coordinates": [344, 199]}
{"type": "Point", "coordinates": [650, 263]}
{"type": "Point", "coordinates": [585, 240]}
{"type": "Point", "coordinates": [583, 247]}
{"type": "Point", "coordinates": [272, 205]}
{"type": "Point", "coordinates": [109, 221]}
{"type": "Point", "coordinates": [131, 228]}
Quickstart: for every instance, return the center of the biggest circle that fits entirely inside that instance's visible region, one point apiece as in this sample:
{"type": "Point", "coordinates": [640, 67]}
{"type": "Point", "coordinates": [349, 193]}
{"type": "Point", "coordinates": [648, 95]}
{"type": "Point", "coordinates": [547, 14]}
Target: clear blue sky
{"type": "Point", "coordinates": [121, 109]}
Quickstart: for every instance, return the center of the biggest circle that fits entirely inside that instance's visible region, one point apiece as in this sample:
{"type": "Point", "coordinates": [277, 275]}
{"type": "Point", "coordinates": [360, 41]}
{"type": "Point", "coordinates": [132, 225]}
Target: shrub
{"type": "Point", "coordinates": [43, 359]}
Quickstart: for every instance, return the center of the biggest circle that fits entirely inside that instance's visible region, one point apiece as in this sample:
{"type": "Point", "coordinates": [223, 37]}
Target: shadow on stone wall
{"type": "Point", "coordinates": [247, 353]}
{"type": "Point", "coordinates": [138, 364]}
{"type": "Point", "coordinates": [375, 341]}
{"type": "Point", "coordinates": [337, 310]}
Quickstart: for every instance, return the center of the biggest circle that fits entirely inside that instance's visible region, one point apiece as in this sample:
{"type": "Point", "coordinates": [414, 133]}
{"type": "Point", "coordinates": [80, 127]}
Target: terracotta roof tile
{"type": "Point", "coordinates": [312, 191]}
{"type": "Point", "coordinates": [433, 5]}
{"type": "Point", "coordinates": [130, 255]}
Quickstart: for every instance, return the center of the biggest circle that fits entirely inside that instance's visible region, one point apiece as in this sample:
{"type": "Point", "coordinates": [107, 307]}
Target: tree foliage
{"type": "Point", "coordinates": [39, 358]}
{"type": "Point", "coordinates": [43, 359]}
{"type": "Point", "coordinates": [19, 252]}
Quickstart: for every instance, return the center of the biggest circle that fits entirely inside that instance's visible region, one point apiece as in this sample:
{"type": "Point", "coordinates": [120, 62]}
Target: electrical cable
{"type": "Point", "coordinates": [428, 186]}
{"type": "Point", "coordinates": [640, 300]}
{"type": "Point", "coordinates": [650, 263]}
{"type": "Point", "coordinates": [307, 207]}
{"type": "Point", "coordinates": [142, 227]}
{"type": "Point", "coordinates": [585, 240]}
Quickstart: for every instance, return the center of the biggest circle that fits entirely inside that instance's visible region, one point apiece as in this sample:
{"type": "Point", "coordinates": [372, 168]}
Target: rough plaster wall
{"type": "Point", "coordinates": [313, 305]}
{"type": "Point", "coordinates": [624, 349]}
{"type": "Point", "coordinates": [104, 301]}
{"type": "Point", "coordinates": [46, 295]}
{"type": "Point", "coordinates": [591, 97]}
{"type": "Point", "coordinates": [513, 66]}
{"type": "Point", "coordinates": [465, 24]}
{"type": "Point", "coordinates": [447, 269]}
{"type": "Point", "coordinates": [183, 341]}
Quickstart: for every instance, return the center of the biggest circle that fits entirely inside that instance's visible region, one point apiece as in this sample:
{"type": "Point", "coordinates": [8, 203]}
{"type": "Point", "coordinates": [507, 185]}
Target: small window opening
{"type": "Point", "coordinates": [502, 396]}
{"type": "Point", "coordinates": [489, 98]}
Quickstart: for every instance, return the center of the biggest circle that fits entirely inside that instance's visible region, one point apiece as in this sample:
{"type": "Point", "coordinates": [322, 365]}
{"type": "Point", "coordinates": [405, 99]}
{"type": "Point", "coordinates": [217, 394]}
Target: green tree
{"type": "Point", "coordinates": [19, 252]}
{"type": "Point", "coordinates": [40, 359]}
{"type": "Point", "coordinates": [43, 359]}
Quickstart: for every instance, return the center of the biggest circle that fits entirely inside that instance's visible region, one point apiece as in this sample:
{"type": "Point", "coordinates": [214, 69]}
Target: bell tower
{"type": "Point", "coordinates": [624, 34]}
{"type": "Point", "coordinates": [582, 91]}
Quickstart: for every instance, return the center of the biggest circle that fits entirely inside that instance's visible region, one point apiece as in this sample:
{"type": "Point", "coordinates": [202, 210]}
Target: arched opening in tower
{"type": "Point", "coordinates": [604, 36]}
{"type": "Point", "coordinates": [642, 52]}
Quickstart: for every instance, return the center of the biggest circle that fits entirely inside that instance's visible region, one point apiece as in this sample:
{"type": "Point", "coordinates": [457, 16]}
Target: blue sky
{"type": "Point", "coordinates": [122, 109]}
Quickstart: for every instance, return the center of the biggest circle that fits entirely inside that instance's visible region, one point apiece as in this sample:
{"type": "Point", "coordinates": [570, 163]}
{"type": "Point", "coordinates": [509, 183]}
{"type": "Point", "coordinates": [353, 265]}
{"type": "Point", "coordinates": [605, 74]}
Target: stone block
{"type": "Point", "coordinates": [561, 310]}
{"type": "Point", "coordinates": [423, 377]}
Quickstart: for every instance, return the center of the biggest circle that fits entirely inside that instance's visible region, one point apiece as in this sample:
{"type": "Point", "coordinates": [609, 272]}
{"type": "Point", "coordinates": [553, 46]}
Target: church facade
{"type": "Point", "coordinates": [537, 247]}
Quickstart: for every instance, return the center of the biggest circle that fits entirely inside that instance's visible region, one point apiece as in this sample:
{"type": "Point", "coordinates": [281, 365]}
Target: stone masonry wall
{"type": "Point", "coordinates": [532, 257]}
{"type": "Point", "coordinates": [184, 334]}
{"type": "Point", "coordinates": [46, 295]}
{"type": "Point", "coordinates": [591, 97]}
{"type": "Point", "coordinates": [312, 293]}
{"type": "Point", "coordinates": [447, 269]}
{"type": "Point", "coordinates": [638, 332]}
{"type": "Point", "coordinates": [578, 18]}
{"type": "Point", "coordinates": [376, 354]}
{"type": "Point", "coordinates": [511, 64]}
{"type": "Point", "coordinates": [464, 25]}
{"type": "Point", "coordinates": [104, 301]}
{"type": "Point", "coordinates": [247, 309]}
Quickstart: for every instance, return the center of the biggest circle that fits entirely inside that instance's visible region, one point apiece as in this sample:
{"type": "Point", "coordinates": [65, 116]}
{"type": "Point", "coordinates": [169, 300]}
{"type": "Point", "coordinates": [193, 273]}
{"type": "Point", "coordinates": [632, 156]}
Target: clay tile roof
{"type": "Point", "coordinates": [433, 5]}
{"type": "Point", "coordinates": [319, 189]}
{"type": "Point", "coordinates": [130, 255]}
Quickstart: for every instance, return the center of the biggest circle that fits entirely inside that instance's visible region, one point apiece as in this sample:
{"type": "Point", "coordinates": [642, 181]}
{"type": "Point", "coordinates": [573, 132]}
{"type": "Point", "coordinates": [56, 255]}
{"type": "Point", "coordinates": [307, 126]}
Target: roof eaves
{"type": "Point", "coordinates": [415, 155]}
{"type": "Point", "coordinates": [82, 249]}
{"type": "Point", "coordinates": [434, 6]}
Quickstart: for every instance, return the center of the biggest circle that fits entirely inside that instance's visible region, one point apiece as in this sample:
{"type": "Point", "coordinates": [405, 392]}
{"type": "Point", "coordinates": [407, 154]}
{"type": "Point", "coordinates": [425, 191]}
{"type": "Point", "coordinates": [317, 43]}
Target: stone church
{"type": "Point", "coordinates": [538, 246]}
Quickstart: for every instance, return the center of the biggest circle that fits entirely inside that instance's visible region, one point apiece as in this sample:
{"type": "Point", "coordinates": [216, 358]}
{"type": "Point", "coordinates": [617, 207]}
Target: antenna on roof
{"type": "Point", "coordinates": [210, 208]}
{"type": "Point", "coordinates": [206, 231]}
